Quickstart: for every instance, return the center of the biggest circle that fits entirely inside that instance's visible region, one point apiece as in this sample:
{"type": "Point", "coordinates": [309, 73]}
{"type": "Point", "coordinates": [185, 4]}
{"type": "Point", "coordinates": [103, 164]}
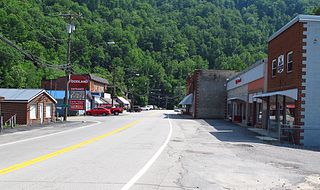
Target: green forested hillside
{"type": "Point", "coordinates": [164, 38]}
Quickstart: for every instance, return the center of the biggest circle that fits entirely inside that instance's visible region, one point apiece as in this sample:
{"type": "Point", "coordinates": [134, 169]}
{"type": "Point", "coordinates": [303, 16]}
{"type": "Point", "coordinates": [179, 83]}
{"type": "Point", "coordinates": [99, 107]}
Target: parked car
{"type": "Point", "coordinates": [177, 110]}
{"type": "Point", "coordinates": [114, 110]}
{"type": "Point", "coordinates": [151, 107]}
{"type": "Point", "coordinates": [135, 109]}
{"type": "Point", "coordinates": [99, 111]}
{"type": "Point", "coordinates": [145, 108]}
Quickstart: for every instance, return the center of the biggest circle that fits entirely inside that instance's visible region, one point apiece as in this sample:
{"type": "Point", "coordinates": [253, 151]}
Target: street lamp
{"type": "Point", "coordinates": [132, 96]}
{"type": "Point", "coordinates": [113, 75]}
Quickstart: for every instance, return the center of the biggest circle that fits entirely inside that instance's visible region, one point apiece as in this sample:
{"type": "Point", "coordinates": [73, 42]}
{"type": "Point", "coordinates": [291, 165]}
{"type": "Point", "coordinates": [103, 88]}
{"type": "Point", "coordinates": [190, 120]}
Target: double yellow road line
{"type": "Point", "coordinates": [64, 150]}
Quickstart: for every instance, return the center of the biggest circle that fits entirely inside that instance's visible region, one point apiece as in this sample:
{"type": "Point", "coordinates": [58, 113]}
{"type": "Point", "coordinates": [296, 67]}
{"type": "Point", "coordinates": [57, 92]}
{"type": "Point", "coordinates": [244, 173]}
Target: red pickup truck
{"type": "Point", "coordinates": [114, 110]}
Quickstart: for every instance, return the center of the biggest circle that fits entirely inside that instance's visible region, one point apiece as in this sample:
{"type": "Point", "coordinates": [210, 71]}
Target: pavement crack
{"type": "Point", "coordinates": [183, 172]}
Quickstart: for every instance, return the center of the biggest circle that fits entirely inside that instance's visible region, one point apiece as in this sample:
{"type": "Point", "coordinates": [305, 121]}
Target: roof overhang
{"type": "Point", "coordinates": [97, 100]}
{"type": "Point", "coordinates": [123, 100]}
{"type": "Point", "coordinates": [237, 99]}
{"type": "Point", "coordinates": [299, 18]}
{"type": "Point", "coordinates": [32, 98]}
{"type": "Point", "coordinates": [188, 100]}
{"type": "Point", "coordinates": [45, 92]}
{"type": "Point", "coordinates": [292, 93]}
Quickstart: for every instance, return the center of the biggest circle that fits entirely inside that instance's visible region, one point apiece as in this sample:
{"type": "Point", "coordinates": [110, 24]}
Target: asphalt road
{"type": "Point", "coordinates": [152, 150]}
{"type": "Point", "coordinates": [104, 155]}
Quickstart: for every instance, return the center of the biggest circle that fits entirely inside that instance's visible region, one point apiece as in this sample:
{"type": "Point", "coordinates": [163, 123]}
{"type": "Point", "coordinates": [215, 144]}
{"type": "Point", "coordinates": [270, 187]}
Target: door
{"type": "Point", "coordinates": [41, 112]}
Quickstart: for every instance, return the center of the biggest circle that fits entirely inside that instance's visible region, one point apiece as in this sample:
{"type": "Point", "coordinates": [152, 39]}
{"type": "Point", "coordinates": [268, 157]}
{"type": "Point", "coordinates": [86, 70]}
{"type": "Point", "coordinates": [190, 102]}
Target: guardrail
{"type": "Point", "coordinates": [12, 121]}
{"type": "Point", "coordinates": [289, 131]}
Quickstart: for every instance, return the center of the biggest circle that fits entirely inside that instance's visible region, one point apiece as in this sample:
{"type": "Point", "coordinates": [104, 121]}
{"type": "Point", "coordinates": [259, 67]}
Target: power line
{"type": "Point", "coordinates": [38, 62]}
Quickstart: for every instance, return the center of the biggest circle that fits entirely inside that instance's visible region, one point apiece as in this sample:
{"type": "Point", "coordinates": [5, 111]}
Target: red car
{"type": "Point", "coordinates": [114, 110]}
{"type": "Point", "coordinates": [98, 111]}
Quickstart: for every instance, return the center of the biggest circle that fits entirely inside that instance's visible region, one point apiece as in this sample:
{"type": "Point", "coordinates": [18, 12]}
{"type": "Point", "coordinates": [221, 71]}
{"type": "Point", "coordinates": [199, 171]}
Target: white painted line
{"type": "Point", "coordinates": [150, 162]}
{"type": "Point", "coordinates": [48, 135]}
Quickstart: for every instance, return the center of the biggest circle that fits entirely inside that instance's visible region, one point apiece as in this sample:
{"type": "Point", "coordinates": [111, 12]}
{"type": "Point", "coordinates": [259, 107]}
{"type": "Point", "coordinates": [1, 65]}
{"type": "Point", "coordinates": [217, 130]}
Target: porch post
{"type": "Point", "coordinates": [284, 108]}
{"type": "Point", "coordinates": [278, 117]}
{"type": "Point", "coordinates": [267, 114]}
{"type": "Point", "coordinates": [247, 112]}
{"type": "Point", "coordinates": [233, 111]}
{"type": "Point", "coordinates": [242, 111]}
{"type": "Point", "coordinates": [254, 113]}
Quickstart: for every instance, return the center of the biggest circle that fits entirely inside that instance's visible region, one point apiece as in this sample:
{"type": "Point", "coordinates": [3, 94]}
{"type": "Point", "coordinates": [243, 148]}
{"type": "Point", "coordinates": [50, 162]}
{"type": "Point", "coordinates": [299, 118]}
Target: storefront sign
{"type": "Point", "coordinates": [280, 63]}
{"type": "Point", "coordinates": [78, 85]}
{"type": "Point", "coordinates": [78, 82]}
{"type": "Point", "coordinates": [238, 80]}
{"type": "Point", "coordinates": [77, 104]}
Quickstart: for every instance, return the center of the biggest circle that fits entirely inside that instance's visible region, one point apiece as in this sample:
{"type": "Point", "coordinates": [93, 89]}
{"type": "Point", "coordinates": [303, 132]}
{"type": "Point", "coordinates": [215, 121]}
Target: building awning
{"type": "Point", "coordinates": [123, 100]}
{"type": "Point", "coordinates": [107, 100]}
{"type": "Point", "coordinates": [187, 100]}
{"type": "Point", "coordinates": [97, 100]}
{"type": "Point", "coordinates": [292, 93]}
{"type": "Point", "coordinates": [237, 99]}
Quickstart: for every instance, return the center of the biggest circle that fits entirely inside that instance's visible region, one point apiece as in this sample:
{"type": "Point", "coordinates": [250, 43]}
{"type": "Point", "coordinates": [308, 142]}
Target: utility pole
{"type": "Point", "coordinates": [167, 102]}
{"type": "Point", "coordinates": [70, 29]}
{"type": "Point", "coordinates": [113, 86]}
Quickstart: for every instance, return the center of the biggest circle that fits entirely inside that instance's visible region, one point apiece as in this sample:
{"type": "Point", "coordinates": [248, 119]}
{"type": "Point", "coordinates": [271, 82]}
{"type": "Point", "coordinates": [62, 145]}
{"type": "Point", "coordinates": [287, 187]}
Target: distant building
{"type": "Point", "coordinates": [95, 84]}
{"type": "Point", "coordinates": [31, 106]}
{"type": "Point", "coordinates": [206, 93]}
{"type": "Point", "coordinates": [87, 88]}
{"type": "Point", "coordinates": [242, 107]}
{"type": "Point", "coordinates": [292, 103]}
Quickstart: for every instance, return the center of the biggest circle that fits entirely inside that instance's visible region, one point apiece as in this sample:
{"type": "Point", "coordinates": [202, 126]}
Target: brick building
{"type": "Point", "coordinates": [292, 103]}
{"type": "Point", "coordinates": [92, 91]}
{"type": "Point", "coordinates": [206, 93]}
{"type": "Point", "coordinates": [242, 107]}
{"type": "Point", "coordinates": [95, 84]}
{"type": "Point", "coordinates": [31, 106]}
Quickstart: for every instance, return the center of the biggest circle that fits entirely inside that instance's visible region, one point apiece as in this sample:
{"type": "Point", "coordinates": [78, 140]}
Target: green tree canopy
{"type": "Point", "coordinates": [160, 38]}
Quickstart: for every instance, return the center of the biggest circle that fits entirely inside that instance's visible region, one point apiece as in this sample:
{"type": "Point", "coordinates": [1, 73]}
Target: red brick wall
{"type": "Point", "coordinates": [196, 92]}
{"type": "Point", "coordinates": [60, 84]}
{"type": "Point", "coordinates": [97, 87]}
{"type": "Point", "coordinates": [256, 86]}
{"type": "Point", "coordinates": [192, 87]}
{"type": "Point", "coordinates": [9, 109]}
{"type": "Point", "coordinates": [56, 84]}
{"type": "Point", "coordinates": [289, 40]}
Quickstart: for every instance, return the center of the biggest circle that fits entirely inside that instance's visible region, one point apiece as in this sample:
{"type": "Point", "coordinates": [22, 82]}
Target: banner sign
{"type": "Point", "coordinates": [77, 104]}
{"type": "Point", "coordinates": [280, 63]}
{"type": "Point", "coordinates": [78, 85]}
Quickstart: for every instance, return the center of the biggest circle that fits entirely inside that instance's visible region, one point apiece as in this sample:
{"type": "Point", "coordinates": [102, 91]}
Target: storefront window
{"type": "Point", "coordinates": [290, 62]}
{"type": "Point", "coordinates": [259, 111]}
{"type": "Point", "coordinates": [274, 67]}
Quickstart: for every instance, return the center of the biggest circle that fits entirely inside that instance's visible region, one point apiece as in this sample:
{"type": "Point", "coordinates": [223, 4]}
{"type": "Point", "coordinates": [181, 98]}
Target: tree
{"type": "Point", "coordinates": [316, 11]}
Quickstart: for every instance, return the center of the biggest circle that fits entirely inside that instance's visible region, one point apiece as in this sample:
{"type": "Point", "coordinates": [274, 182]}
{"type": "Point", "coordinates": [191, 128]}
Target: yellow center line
{"type": "Point", "coordinates": [64, 150]}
